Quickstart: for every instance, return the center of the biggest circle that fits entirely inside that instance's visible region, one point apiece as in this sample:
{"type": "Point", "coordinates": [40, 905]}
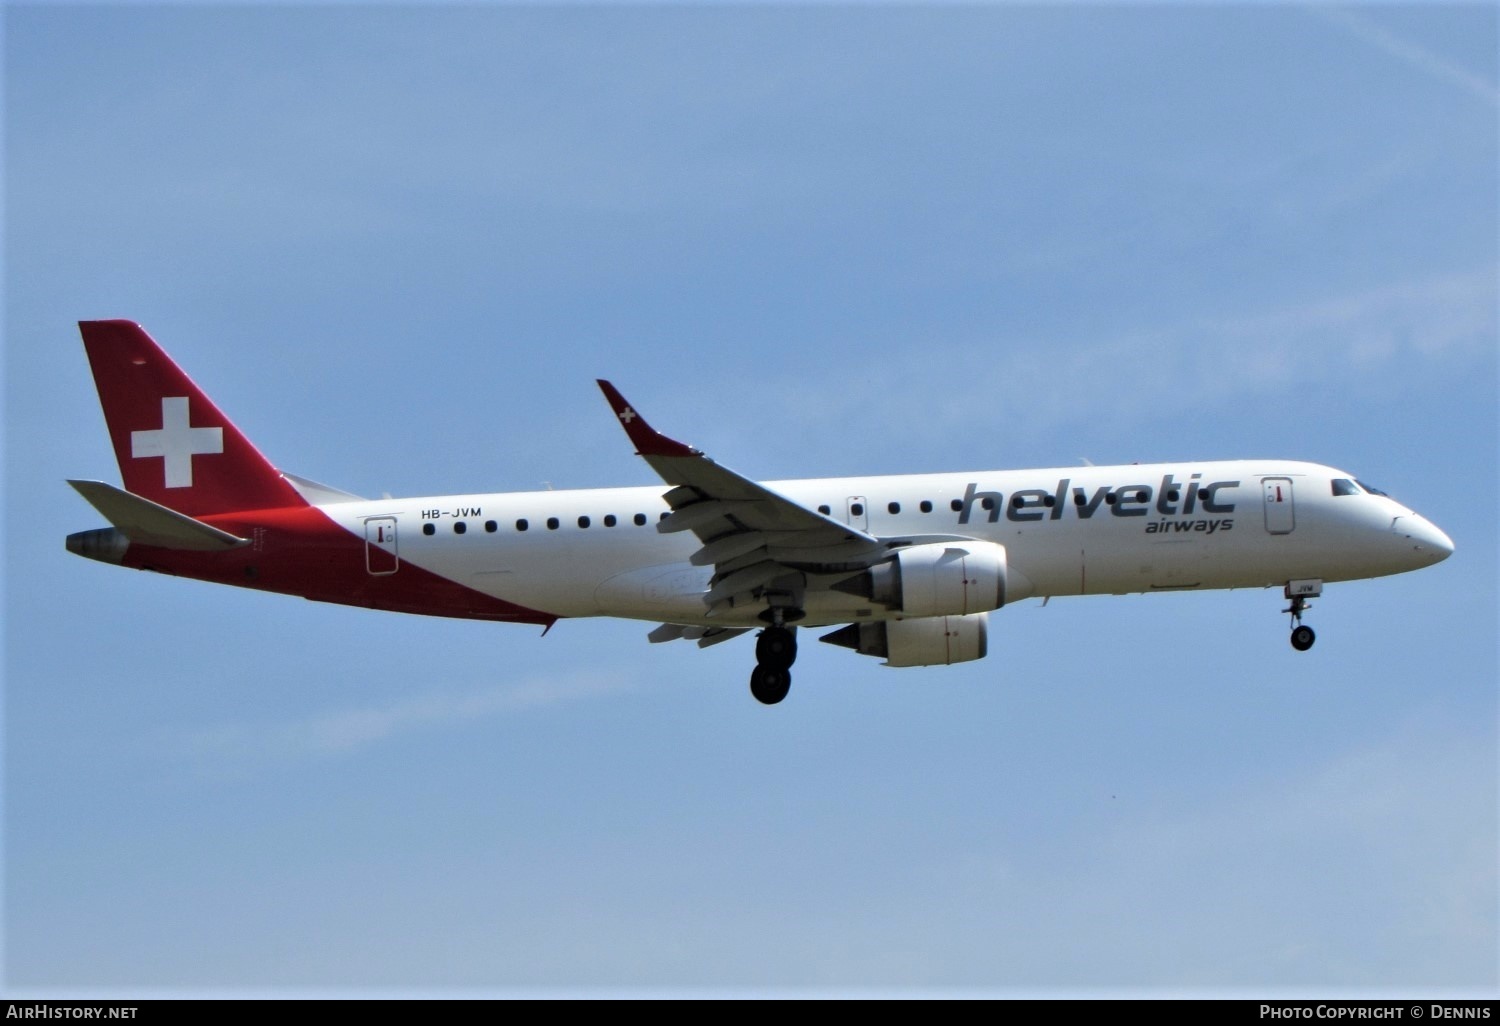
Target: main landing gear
{"type": "Point", "coordinates": [1298, 592]}
{"type": "Point", "coordinates": [775, 651]}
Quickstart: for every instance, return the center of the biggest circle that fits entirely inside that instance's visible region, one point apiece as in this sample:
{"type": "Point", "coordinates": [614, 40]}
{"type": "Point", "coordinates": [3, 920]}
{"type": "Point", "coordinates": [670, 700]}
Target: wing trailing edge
{"type": "Point", "coordinates": [704, 636]}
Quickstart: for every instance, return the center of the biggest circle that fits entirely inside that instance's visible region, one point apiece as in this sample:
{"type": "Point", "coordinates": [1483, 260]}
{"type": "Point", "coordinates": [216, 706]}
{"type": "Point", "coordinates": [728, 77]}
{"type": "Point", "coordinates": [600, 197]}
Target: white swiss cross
{"type": "Point", "coordinates": [627, 415]}
{"type": "Point", "coordinates": [176, 443]}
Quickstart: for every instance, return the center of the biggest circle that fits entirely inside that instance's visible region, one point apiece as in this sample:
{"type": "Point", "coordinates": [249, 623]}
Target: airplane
{"type": "Point", "coordinates": [905, 568]}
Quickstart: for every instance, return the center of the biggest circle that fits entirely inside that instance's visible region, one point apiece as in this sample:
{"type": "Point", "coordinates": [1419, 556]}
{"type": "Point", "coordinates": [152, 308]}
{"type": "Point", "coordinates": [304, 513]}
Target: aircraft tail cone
{"type": "Point", "coordinates": [105, 544]}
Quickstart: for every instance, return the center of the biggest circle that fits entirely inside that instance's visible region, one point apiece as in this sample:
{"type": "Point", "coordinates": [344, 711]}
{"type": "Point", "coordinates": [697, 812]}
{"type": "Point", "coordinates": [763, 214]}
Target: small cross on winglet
{"type": "Point", "coordinates": [647, 440]}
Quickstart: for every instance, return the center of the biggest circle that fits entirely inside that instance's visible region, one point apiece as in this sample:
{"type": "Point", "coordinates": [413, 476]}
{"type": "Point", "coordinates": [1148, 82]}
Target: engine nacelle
{"type": "Point", "coordinates": [926, 641]}
{"type": "Point", "coordinates": [936, 579]}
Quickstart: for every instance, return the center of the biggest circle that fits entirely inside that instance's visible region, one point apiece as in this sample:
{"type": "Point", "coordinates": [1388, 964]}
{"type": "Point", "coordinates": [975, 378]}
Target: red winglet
{"type": "Point", "coordinates": [648, 441]}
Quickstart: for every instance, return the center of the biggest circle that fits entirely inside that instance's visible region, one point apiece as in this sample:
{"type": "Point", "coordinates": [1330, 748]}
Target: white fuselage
{"type": "Point", "coordinates": [1066, 531]}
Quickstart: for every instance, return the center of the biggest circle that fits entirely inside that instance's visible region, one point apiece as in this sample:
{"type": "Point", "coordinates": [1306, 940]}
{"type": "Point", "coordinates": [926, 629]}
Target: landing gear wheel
{"type": "Point", "coordinates": [776, 647]}
{"type": "Point", "coordinates": [1298, 592]}
{"type": "Point", "coordinates": [770, 684]}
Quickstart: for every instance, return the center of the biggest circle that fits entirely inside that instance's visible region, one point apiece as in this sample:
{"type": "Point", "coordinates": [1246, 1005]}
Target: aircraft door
{"type": "Point", "coordinates": [381, 554]}
{"type": "Point", "coordinates": [858, 511]}
{"type": "Point", "coordinates": [1280, 515]}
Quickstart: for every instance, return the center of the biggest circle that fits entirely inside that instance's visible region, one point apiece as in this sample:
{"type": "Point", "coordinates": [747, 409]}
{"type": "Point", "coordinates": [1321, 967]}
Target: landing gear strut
{"type": "Point", "coordinates": [1298, 592]}
{"type": "Point", "coordinates": [775, 651]}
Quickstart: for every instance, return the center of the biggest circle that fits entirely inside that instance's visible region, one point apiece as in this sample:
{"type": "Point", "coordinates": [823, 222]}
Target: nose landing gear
{"type": "Point", "coordinates": [1298, 592]}
{"type": "Point", "coordinates": [1303, 637]}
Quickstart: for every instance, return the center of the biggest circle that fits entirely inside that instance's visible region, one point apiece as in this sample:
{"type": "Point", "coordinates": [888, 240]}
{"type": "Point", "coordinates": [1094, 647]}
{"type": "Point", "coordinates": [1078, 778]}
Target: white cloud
{"type": "Point", "coordinates": [1193, 365]}
{"type": "Point", "coordinates": [1372, 872]}
{"type": "Point", "coordinates": [1432, 318]}
{"type": "Point", "coordinates": [1407, 52]}
{"type": "Point", "coordinates": [342, 732]}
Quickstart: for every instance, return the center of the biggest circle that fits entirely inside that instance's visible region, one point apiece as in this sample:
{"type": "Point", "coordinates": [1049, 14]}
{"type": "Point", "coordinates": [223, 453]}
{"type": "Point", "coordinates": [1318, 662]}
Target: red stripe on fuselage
{"type": "Point", "coordinates": [303, 552]}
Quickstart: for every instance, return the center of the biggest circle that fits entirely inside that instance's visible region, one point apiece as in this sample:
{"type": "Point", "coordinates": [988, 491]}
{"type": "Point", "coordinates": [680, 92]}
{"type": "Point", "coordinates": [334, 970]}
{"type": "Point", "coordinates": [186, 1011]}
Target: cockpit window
{"type": "Point", "coordinates": [1372, 491]}
{"type": "Point", "coordinates": [1344, 486]}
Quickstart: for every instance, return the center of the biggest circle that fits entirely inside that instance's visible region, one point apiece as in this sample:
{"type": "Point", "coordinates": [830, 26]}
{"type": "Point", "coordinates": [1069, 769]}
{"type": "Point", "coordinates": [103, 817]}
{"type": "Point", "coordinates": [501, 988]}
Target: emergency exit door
{"type": "Point", "coordinates": [381, 555]}
{"type": "Point", "coordinates": [1281, 517]}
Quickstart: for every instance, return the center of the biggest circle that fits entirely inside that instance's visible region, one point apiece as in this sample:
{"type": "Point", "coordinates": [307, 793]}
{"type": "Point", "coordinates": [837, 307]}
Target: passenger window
{"type": "Point", "coordinates": [857, 509]}
{"type": "Point", "coordinates": [583, 521]}
{"type": "Point", "coordinates": [826, 510]}
{"type": "Point", "coordinates": [640, 520]}
{"type": "Point", "coordinates": [459, 527]}
{"type": "Point", "coordinates": [893, 507]}
{"type": "Point", "coordinates": [666, 514]}
{"type": "Point", "coordinates": [429, 529]}
{"type": "Point", "coordinates": [609, 520]}
{"type": "Point", "coordinates": [957, 505]}
{"type": "Point", "coordinates": [490, 526]}
{"type": "Point", "coordinates": [987, 502]}
{"type": "Point", "coordinates": [925, 506]}
{"type": "Point", "coordinates": [522, 525]}
{"type": "Point", "coordinates": [553, 523]}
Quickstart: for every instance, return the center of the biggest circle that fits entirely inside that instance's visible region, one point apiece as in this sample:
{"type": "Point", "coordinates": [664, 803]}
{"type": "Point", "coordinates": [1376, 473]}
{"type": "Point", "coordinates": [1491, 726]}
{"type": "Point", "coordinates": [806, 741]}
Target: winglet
{"type": "Point", "coordinates": [647, 440]}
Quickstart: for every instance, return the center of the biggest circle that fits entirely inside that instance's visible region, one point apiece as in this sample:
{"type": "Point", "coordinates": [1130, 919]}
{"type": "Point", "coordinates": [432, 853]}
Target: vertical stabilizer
{"type": "Point", "coordinates": [173, 444]}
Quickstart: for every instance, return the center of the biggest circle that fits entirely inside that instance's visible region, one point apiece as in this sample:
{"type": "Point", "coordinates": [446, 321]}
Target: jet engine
{"type": "Point", "coordinates": [935, 579]}
{"type": "Point", "coordinates": [927, 641]}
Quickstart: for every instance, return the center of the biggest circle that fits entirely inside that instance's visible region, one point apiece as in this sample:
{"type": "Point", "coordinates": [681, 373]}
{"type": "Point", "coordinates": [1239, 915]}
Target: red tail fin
{"type": "Point", "coordinates": [174, 446]}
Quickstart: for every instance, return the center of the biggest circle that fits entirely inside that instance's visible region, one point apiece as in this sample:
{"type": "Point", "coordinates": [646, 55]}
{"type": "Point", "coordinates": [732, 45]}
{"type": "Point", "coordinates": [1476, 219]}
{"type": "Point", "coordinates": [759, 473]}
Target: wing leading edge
{"type": "Point", "coordinates": [762, 545]}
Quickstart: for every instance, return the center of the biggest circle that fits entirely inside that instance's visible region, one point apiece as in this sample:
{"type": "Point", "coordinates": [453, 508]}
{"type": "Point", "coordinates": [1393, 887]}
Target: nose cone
{"type": "Point", "coordinates": [1428, 544]}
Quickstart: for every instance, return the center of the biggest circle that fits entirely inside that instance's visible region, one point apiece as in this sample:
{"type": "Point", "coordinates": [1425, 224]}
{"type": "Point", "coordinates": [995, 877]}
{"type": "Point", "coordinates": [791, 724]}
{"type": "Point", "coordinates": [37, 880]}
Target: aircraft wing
{"type": "Point", "coordinates": [759, 543]}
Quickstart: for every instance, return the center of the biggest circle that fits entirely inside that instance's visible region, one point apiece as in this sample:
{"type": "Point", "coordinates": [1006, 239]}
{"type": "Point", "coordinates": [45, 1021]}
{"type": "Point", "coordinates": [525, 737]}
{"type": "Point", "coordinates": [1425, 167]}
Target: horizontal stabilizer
{"type": "Point", "coordinates": [148, 523]}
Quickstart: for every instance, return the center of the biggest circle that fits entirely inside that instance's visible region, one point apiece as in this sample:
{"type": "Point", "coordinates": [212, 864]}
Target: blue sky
{"type": "Point", "coordinates": [396, 244]}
